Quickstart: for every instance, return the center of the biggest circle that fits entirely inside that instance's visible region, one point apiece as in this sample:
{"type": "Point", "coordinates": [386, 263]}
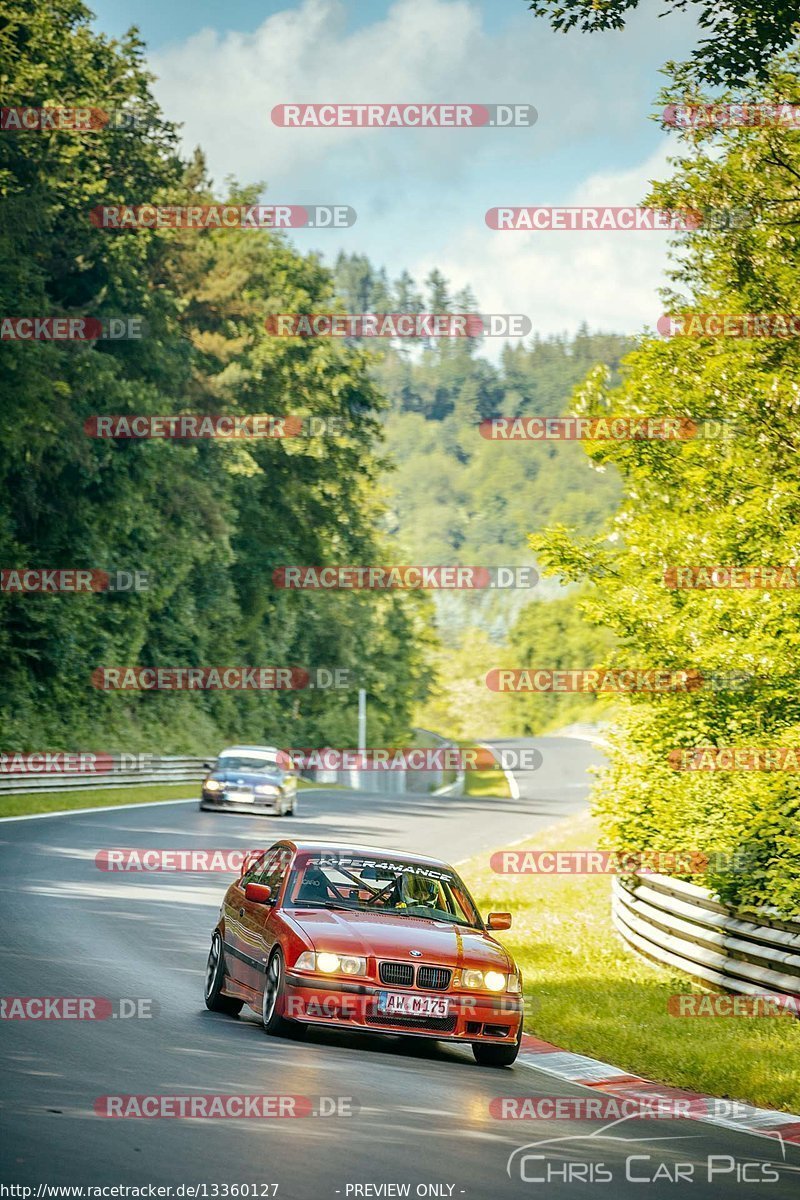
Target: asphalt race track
{"type": "Point", "coordinates": [423, 1116]}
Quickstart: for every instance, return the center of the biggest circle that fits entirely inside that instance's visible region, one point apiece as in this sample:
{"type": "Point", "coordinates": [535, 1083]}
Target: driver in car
{"type": "Point", "coordinates": [415, 891]}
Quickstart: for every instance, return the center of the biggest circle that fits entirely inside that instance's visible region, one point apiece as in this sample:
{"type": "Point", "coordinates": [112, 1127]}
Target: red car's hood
{"type": "Point", "coordinates": [385, 936]}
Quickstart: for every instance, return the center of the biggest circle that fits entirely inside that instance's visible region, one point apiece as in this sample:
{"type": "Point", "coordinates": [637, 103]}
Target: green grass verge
{"type": "Point", "coordinates": [484, 783]}
{"type": "Point", "coordinates": [45, 802]}
{"type": "Point", "coordinates": [42, 802]}
{"type": "Point", "coordinates": [587, 993]}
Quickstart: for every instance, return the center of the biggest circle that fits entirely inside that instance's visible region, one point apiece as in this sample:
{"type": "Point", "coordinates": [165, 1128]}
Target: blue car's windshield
{"type": "Point", "coordinates": [236, 762]}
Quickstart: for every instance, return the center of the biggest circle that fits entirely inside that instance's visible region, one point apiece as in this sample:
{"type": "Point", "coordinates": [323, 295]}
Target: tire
{"type": "Point", "coordinates": [293, 805]}
{"type": "Point", "coordinates": [491, 1054]}
{"type": "Point", "coordinates": [272, 1001]}
{"type": "Point", "coordinates": [215, 981]}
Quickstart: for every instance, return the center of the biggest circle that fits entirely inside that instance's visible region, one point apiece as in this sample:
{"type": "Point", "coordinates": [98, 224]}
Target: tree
{"type": "Point", "coordinates": [208, 520]}
{"type": "Point", "coordinates": [744, 35]}
{"type": "Point", "coordinates": [732, 499]}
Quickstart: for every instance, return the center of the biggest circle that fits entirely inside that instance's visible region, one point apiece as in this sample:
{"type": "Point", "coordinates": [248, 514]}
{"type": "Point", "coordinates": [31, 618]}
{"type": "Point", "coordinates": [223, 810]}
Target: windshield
{"type": "Point", "coordinates": [242, 762]}
{"type": "Point", "coordinates": [379, 885]}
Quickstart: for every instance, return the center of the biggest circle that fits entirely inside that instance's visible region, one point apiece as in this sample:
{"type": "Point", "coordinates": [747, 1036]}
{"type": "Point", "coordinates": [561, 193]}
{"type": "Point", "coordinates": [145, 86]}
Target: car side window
{"type": "Point", "coordinates": [258, 869]}
{"type": "Point", "coordinates": [275, 868]}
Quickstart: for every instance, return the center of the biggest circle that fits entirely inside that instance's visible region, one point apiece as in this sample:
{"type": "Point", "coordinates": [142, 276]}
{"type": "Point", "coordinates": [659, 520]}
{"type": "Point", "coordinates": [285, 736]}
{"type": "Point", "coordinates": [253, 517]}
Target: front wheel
{"type": "Point", "coordinates": [273, 1001]}
{"type": "Point", "coordinates": [490, 1054]}
{"type": "Point", "coordinates": [215, 981]}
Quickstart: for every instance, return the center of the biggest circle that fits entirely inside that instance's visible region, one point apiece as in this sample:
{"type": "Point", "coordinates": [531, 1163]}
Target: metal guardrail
{"type": "Point", "coordinates": [397, 783]}
{"type": "Point", "coordinates": [123, 773]}
{"type": "Point", "coordinates": [682, 925]}
{"type": "Point", "coordinates": [130, 770]}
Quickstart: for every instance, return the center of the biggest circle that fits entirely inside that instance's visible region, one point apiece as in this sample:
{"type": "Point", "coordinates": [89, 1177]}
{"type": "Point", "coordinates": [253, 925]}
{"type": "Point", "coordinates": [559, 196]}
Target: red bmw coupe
{"type": "Point", "coordinates": [365, 939]}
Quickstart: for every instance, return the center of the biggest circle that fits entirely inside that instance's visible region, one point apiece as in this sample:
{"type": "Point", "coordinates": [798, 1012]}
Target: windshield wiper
{"type": "Point", "coordinates": [325, 904]}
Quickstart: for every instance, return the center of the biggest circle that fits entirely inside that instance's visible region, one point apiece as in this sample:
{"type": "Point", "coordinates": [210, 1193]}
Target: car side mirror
{"type": "Point", "coordinates": [259, 893]}
{"type": "Point", "coordinates": [498, 920]}
{"type": "Point", "coordinates": [208, 766]}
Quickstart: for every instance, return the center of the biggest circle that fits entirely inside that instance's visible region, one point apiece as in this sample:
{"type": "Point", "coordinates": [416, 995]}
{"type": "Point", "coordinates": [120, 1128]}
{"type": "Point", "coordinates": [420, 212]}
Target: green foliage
{"type": "Point", "coordinates": [453, 496]}
{"type": "Point", "coordinates": [743, 35]}
{"type": "Point", "coordinates": [708, 502]}
{"type": "Point", "coordinates": [460, 706]}
{"type": "Point", "coordinates": [208, 521]}
{"type": "Point", "coordinates": [555, 635]}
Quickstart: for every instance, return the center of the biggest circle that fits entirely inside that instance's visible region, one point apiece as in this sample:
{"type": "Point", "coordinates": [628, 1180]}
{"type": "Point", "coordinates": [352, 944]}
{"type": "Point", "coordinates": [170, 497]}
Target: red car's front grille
{"type": "Point", "coordinates": [396, 974]}
{"type": "Point", "coordinates": [435, 979]}
{"type": "Point", "coordinates": [432, 979]}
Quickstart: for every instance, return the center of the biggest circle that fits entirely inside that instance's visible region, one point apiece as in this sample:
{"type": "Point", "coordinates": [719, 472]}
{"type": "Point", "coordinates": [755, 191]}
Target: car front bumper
{"type": "Point", "coordinates": [342, 1004]}
{"type": "Point", "coordinates": [259, 804]}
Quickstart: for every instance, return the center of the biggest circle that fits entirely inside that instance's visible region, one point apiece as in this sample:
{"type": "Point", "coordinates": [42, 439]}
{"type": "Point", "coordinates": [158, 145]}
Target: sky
{"type": "Point", "coordinates": [421, 194]}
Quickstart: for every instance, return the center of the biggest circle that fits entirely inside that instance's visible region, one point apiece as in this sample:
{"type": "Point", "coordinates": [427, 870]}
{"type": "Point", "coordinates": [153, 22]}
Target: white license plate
{"type": "Point", "coordinates": [240, 797]}
{"type": "Point", "coordinates": [412, 1006]}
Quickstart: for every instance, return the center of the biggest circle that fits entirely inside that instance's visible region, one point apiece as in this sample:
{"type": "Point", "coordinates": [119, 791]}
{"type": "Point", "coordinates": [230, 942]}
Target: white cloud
{"type": "Point", "coordinates": [223, 86]}
{"type": "Point", "coordinates": [421, 194]}
{"type": "Point", "coordinates": [559, 279]}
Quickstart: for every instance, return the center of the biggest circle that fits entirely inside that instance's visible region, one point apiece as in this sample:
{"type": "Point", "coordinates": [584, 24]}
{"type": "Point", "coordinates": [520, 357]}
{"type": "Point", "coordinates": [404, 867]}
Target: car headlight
{"type": "Point", "coordinates": [266, 789]}
{"type": "Point", "coordinates": [490, 981]}
{"type": "Point", "coordinates": [212, 785]}
{"type": "Point", "coordinates": [331, 964]}
{"type": "Point", "coordinates": [514, 983]}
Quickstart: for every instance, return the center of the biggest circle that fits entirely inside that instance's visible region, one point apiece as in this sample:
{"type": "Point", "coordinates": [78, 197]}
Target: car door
{"type": "Point", "coordinates": [242, 945]}
{"type": "Point", "coordinates": [258, 928]}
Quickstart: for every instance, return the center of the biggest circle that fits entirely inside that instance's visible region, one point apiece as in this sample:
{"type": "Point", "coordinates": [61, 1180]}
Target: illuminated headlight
{"type": "Point", "coordinates": [332, 964]}
{"type": "Point", "coordinates": [267, 789]}
{"type": "Point", "coordinates": [328, 963]}
{"type": "Point", "coordinates": [212, 785]}
{"type": "Point", "coordinates": [490, 981]}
